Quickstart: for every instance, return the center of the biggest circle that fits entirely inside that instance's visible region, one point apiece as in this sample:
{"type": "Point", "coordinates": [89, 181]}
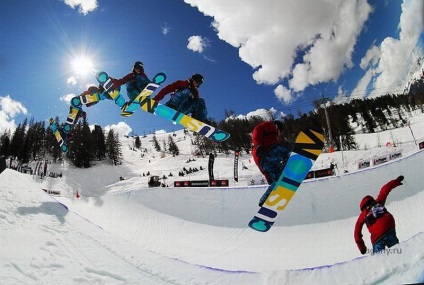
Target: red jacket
{"type": "Point", "coordinates": [264, 134]}
{"type": "Point", "coordinates": [381, 225]}
{"type": "Point", "coordinates": [177, 85]}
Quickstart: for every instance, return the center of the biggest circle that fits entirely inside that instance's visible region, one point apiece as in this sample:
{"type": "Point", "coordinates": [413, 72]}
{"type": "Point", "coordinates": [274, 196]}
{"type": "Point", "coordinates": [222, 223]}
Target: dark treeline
{"type": "Point", "coordinates": [32, 140]}
{"type": "Point", "coordinates": [371, 115]}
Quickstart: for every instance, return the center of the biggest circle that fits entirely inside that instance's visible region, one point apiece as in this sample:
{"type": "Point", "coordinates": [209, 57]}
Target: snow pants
{"type": "Point", "coordinates": [272, 163]}
{"type": "Point", "coordinates": [183, 103]}
{"type": "Point", "coordinates": [389, 240]}
{"type": "Point", "coordinates": [274, 160]}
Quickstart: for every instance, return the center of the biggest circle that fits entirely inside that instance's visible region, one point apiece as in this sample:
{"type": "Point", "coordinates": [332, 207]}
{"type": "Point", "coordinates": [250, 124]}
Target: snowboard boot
{"type": "Point", "coordinates": [266, 194]}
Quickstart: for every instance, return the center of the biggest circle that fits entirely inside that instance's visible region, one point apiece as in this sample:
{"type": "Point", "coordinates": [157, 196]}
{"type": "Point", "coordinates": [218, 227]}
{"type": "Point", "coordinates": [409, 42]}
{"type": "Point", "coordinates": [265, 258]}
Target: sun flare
{"type": "Point", "coordinates": [82, 66]}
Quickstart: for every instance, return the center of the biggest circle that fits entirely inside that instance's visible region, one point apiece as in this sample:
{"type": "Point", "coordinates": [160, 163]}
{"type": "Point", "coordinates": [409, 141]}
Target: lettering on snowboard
{"type": "Point", "coordinates": [307, 148]}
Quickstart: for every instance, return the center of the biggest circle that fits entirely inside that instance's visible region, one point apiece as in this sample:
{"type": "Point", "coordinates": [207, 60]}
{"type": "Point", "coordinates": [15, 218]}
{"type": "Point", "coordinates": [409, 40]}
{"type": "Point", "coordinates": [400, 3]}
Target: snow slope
{"type": "Point", "coordinates": [121, 232]}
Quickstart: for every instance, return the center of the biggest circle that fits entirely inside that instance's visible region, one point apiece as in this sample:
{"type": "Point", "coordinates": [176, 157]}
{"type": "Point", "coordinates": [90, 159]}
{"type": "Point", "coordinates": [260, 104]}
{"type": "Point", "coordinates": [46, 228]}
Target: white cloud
{"type": "Point", "coordinates": [9, 109]}
{"type": "Point", "coordinates": [12, 107]}
{"type": "Point", "coordinates": [209, 59]}
{"type": "Point", "coordinates": [197, 44]}
{"type": "Point", "coordinates": [160, 132]}
{"type": "Point", "coordinates": [283, 94]}
{"type": "Point", "coordinates": [165, 29]}
{"type": "Point", "coordinates": [371, 57]}
{"type": "Point", "coordinates": [360, 90]}
{"type": "Point", "coordinates": [341, 97]}
{"type": "Point", "coordinates": [270, 33]}
{"type": "Point", "coordinates": [331, 52]}
{"type": "Point", "coordinates": [263, 113]}
{"type": "Point", "coordinates": [67, 98]}
{"type": "Point", "coordinates": [393, 58]}
{"type": "Point", "coordinates": [85, 6]}
{"type": "Point", "coordinates": [71, 81]}
{"type": "Point", "coordinates": [6, 123]}
{"type": "Point", "coordinates": [122, 129]}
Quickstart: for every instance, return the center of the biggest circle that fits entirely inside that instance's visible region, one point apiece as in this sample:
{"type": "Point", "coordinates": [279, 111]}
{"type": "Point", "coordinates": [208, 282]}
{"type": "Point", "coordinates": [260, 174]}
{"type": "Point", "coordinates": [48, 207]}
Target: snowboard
{"type": "Point", "coordinates": [128, 108]}
{"type": "Point", "coordinates": [151, 106]}
{"type": "Point", "coordinates": [72, 118]}
{"type": "Point", "coordinates": [58, 136]}
{"type": "Point", "coordinates": [106, 82]}
{"type": "Point", "coordinates": [89, 97]}
{"type": "Point", "coordinates": [308, 146]}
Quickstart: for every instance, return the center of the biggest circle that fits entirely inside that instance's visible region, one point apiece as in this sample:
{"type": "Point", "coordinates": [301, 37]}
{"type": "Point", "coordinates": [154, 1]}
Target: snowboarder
{"type": "Point", "coordinates": [269, 153]}
{"type": "Point", "coordinates": [137, 82]}
{"type": "Point", "coordinates": [379, 221]}
{"type": "Point", "coordinates": [185, 97]}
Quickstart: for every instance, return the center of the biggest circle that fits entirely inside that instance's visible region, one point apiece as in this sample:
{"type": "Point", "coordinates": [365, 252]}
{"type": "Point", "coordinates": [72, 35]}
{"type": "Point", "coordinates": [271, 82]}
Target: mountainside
{"type": "Point", "coordinates": [139, 164]}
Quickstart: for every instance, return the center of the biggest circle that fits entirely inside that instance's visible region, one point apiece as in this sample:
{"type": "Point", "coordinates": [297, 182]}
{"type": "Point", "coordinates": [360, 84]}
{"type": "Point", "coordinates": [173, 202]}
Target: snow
{"type": "Point", "coordinates": [122, 232]}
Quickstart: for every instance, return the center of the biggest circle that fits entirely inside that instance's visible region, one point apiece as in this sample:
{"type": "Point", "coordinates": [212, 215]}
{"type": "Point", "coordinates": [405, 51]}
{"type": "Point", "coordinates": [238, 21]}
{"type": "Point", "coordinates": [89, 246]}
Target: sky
{"type": "Point", "coordinates": [122, 232]}
{"type": "Point", "coordinates": [256, 56]}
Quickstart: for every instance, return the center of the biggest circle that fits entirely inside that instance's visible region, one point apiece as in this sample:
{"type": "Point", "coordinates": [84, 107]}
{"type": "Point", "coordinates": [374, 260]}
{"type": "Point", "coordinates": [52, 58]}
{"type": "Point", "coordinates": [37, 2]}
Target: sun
{"type": "Point", "coordinates": [82, 65]}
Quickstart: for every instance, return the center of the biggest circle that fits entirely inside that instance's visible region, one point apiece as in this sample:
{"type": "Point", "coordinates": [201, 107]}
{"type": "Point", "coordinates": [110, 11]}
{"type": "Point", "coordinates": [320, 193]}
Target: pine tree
{"type": "Point", "coordinates": [18, 140]}
{"type": "Point", "coordinates": [81, 148]}
{"type": "Point", "coordinates": [172, 146]}
{"type": "Point", "coordinates": [137, 143]}
{"type": "Point", "coordinates": [5, 143]}
{"type": "Point", "coordinates": [34, 139]}
{"type": "Point", "coordinates": [113, 147]}
{"type": "Point", "coordinates": [99, 143]}
{"type": "Point", "coordinates": [164, 145]}
{"type": "Point", "coordinates": [156, 143]}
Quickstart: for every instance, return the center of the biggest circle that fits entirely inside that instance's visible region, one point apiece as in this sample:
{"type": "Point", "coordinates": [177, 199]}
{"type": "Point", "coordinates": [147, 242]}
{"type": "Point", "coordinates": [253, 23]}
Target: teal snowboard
{"type": "Point", "coordinates": [308, 146]}
{"type": "Point", "coordinates": [151, 106]}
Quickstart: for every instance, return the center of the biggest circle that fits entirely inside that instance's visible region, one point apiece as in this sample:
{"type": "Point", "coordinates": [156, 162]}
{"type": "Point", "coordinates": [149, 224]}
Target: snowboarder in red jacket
{"type": "Point", "coordinates": [379, 221]}
{"type": "Point", "coordinates": [269, 154]}
{"type": "Point", "coordinates": [185, 97]}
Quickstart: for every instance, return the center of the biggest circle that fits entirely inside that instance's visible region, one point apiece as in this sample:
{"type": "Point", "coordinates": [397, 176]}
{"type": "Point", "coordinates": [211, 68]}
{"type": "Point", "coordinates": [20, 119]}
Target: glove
{"type": "Point", "coordinates": [363, 251]}
{"type": "Point", "coordinates": [259, 150]}
{"type": "Point", "coordinates": [400, 179]}
{"type": "Point", "coordinates": [101, 89]}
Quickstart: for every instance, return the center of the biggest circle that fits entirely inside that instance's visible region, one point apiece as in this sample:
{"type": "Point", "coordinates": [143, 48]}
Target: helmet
{"type": "Point", "coordinates": [138, 65]}
{"type": "Point", "coordinates": [279, 124]}
{"type": "Point", "coordinates": [366, 201]}
{"type": "Point", "coordinates": [198, 78]}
